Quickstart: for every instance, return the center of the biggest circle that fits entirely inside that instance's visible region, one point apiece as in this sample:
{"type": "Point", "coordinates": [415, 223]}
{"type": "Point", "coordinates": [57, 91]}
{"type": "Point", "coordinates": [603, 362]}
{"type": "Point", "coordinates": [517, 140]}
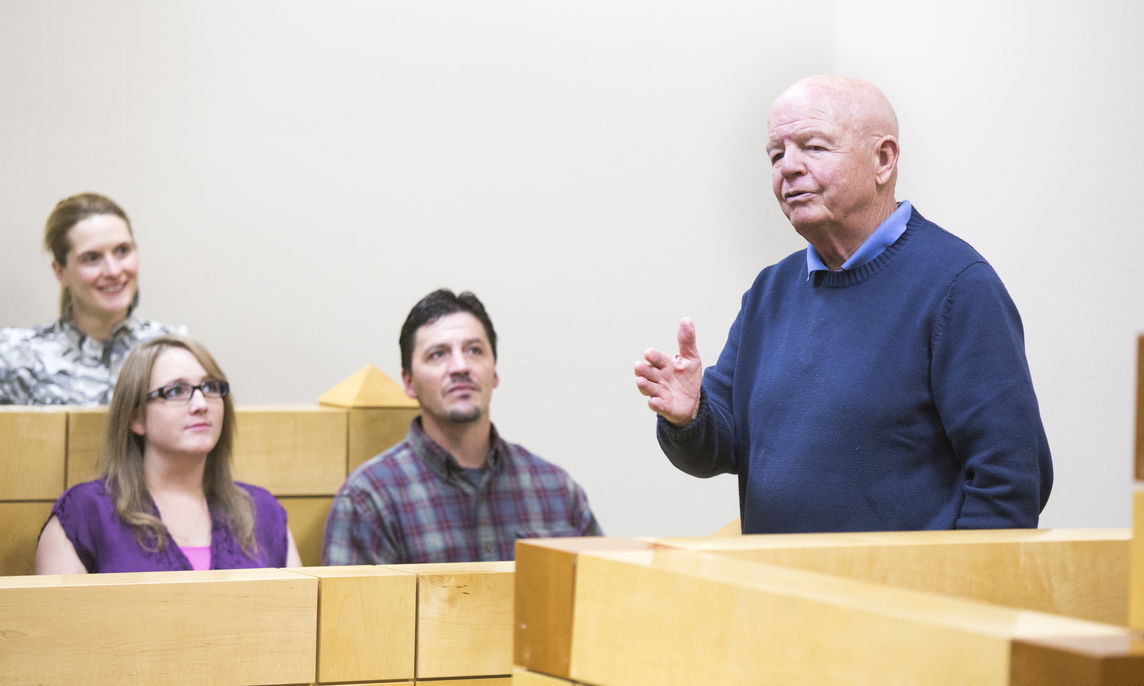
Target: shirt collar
{"type": "Point", "coordinates": [128, 327]}
{"type": "Point", "coordinates": [882, 238]}
{"type": "Point", "coordinates": [440, 461]}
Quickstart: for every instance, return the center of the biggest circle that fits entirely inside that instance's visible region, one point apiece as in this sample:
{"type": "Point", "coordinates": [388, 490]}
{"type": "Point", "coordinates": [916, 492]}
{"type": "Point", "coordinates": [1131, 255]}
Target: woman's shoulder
{"type": "Point", "coordinates": [269, 518]}
{"type": "Point", "coordinates": [252, 489]}
{"type": "Point", "coordinates": [20, 337]}
{"type": "Point", "coordinates": [87, 492]}
{"type": "Point", "coordinates": [17, 335]}
{"type": "Point", "coordinates": [85, 504]}
{"type": "Point", "coordinates": [262, 498]}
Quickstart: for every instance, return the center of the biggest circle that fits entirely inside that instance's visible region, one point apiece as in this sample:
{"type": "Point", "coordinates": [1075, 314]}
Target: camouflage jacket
{"type": "Point", "coordinates": [57, 364]}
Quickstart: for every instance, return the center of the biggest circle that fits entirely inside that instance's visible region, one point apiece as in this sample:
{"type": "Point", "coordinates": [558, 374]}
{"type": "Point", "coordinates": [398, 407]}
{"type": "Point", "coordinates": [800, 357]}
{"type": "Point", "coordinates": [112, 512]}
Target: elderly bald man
{"type": "Point", "coordinates": [874, 381]}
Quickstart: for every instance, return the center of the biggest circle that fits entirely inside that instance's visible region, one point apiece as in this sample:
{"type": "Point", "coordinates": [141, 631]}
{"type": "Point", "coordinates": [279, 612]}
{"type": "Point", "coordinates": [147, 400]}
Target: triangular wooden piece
{"type": "Point", "coordinates": [368, 387]}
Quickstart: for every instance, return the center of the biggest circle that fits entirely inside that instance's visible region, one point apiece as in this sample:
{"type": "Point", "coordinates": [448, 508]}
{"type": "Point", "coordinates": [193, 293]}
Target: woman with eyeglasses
{"type": "Point", "coordinates": [166, 499]}
{"type": "Point", "coordinates": [75, 359]}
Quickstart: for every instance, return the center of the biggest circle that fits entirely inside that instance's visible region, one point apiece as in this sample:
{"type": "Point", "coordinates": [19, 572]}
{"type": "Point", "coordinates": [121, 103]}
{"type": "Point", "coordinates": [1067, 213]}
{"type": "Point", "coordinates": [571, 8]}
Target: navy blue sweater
{"type": "Point", "coordinates": [894, 396]}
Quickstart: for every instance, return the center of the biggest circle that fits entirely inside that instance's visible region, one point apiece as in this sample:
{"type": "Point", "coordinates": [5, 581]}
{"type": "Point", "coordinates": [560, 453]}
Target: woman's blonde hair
{"type": "Point", "coordinates": [121, 462]}
{"type": "Point", "coordinates": [67, 213]}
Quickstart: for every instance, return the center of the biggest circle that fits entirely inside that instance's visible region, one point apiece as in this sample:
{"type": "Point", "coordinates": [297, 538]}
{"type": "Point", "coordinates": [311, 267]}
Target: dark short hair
{"type": "Point", "coordinates": [434, 306]}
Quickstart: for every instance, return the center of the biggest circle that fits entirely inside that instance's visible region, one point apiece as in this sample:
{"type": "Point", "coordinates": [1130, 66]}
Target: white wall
{"type": "Point", "coordinates": [299, 174]}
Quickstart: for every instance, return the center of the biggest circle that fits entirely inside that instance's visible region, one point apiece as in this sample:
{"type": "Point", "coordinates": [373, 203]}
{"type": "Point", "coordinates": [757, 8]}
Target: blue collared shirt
{"type": "Point", "coordinates": [882, 238]}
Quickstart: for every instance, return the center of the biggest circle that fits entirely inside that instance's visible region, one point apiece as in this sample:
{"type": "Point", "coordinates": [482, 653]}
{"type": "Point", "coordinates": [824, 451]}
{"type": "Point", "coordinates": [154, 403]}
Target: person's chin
{"type": "Point", "coordinates": [808, 225]}
{"type": "Point", "coordinates": [804, 213]}
{"type": "Point", "coordinates": [118, 304]}
{"type": "Point", "coordinates": [465, 415]}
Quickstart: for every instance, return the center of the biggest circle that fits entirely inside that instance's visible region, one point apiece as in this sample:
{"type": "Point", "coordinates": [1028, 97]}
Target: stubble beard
{"type": "Point", "coordinates": [465, 415]}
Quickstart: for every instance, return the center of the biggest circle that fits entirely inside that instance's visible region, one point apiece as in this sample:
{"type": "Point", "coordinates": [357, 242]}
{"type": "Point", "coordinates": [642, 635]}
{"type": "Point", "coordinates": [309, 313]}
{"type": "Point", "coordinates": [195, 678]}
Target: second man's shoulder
{"type": "Point", "coordinates": [396, 465]}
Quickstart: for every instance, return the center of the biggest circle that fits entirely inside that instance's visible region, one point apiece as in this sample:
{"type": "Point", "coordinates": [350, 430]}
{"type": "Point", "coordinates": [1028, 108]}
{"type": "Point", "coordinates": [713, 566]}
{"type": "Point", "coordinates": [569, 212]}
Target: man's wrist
{"type": "Point", "coordinates": [690, 425]}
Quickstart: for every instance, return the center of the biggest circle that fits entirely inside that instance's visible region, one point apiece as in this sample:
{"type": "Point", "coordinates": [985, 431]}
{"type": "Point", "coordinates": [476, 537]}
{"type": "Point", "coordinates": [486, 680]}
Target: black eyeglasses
{"type": "Point", "coordinates": [181, 391]}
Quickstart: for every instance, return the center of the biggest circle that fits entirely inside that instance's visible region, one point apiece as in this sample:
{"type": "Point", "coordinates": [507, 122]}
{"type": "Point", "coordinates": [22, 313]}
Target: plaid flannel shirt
{"type": "Point", "coordinates": [414, 503]}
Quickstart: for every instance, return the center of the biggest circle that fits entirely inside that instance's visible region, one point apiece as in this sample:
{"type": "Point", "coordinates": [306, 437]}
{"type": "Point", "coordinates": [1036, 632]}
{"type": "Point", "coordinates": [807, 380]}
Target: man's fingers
{"type": "Point", "coordinates": [656, 358]}
{"type": "Point", "coordinates": [657, 376]}
{"type": "Point", "coordinates": [646, 371]}
{"type": "Point", "coordinates": [646, 386]}
{"type": "Point", "coordinates": [686, 337]}
{"type": "Point", "coordinates": [650, 381]}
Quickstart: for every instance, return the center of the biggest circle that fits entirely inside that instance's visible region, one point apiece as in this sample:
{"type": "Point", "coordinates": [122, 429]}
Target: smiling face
{"type": "Point", "coordinates": [101, 268]}
{"type": "Point", "coordinates": [171, 428]}
{"type": "Point", "coordinates": [453, 371]}
{"type": "Point", "coordinates": [833, 152]}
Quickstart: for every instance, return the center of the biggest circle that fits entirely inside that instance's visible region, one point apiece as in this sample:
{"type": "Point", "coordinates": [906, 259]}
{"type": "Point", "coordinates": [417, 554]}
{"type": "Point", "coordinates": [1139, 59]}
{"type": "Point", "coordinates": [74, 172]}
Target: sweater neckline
{"type": "Point", "coordinates": [853, 277]}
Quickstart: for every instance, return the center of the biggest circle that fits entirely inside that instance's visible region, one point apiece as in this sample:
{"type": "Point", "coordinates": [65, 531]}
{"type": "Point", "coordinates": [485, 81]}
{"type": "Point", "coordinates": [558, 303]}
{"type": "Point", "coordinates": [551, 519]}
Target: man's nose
{"type": "Point", "coordinates": [791, 163]}
{"type": "Point", "coordinates": [458, 362]}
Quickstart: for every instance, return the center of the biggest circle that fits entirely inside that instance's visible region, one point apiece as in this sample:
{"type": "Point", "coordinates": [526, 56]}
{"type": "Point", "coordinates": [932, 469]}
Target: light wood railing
{"type": "Point", "coordinates": [399, 624]}
{"type": "Point", "coordinates": [1013, 608]}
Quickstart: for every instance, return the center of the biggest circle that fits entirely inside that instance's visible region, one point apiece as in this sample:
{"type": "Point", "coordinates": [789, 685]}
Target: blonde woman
{"type": "Point", "coordinates": [75, 360]}
{"type": "Point", "coordinates": [166, 499]}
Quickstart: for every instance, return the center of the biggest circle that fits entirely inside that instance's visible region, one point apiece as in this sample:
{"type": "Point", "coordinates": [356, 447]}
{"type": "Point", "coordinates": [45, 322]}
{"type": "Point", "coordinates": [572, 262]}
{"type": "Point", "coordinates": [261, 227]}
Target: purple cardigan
{"type": "Point", "coordinates": [105, 543]}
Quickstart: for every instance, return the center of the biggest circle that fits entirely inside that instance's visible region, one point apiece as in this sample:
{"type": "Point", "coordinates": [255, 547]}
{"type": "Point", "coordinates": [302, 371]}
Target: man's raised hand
{"type": "Point", "coordinates": [672, 384]}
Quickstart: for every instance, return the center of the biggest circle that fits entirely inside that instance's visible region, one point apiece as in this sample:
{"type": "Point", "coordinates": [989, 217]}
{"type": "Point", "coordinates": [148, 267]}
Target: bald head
{"type": "Point", "coordinates": [853, 103]}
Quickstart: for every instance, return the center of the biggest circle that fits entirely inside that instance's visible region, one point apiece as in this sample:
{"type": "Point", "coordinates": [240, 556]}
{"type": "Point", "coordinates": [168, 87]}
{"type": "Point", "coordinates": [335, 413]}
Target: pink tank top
{"type": "Point", "coordinates": [198, 556]}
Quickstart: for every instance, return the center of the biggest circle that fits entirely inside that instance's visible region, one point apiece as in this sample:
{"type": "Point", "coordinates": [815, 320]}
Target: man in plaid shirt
{"type": "Point", "coordinates": [453, 490]}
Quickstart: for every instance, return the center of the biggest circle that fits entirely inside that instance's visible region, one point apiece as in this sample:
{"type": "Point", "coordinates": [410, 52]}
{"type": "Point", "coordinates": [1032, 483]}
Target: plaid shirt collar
{"type": "Point", "coordinates": [442, 463]}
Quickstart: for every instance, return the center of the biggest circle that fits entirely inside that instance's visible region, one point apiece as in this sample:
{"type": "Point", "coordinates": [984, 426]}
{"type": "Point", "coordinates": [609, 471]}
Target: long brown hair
{"type": "Point", "coordinates": [69, 212]}
{"type": "Point", "coordinates": [121, 462]}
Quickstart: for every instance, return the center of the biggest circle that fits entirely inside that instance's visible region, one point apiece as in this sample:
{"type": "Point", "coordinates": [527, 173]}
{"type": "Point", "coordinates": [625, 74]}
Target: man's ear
{"type": "Point", "coordinates": [887, 160]}
{"type": "Point", "coordinates": [407, 382]}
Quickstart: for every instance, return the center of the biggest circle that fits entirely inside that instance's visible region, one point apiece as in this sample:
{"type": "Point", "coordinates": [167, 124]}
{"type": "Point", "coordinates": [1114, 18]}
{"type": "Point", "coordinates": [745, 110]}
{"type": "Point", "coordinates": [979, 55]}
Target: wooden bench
{"type": "Point", "coordinates": [328, 625]}
{"type": "Point", "coordinates": [975, 607]}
